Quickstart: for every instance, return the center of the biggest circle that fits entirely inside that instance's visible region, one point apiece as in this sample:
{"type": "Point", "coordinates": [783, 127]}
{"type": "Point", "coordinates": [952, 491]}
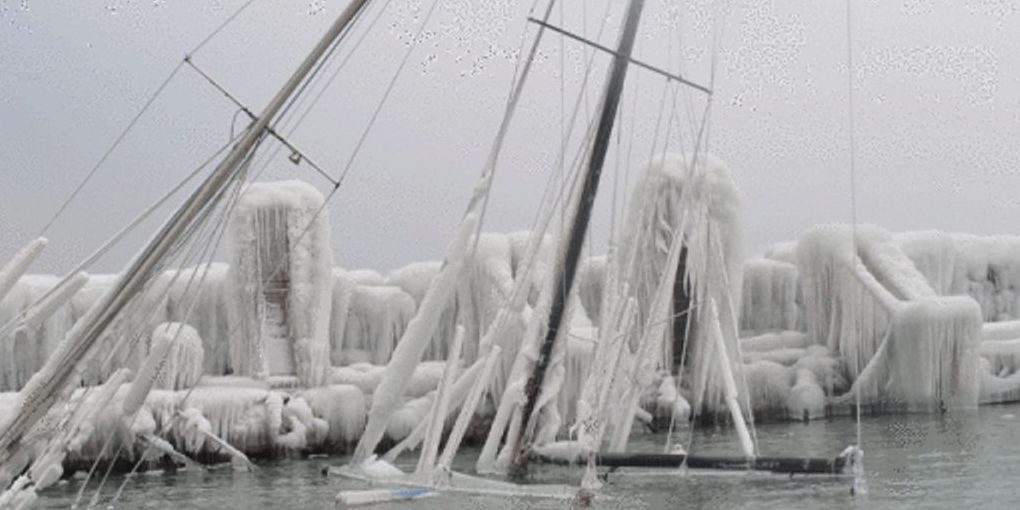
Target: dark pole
{"type": "Point", "coordinates": [682, 322]}
{"type": "Point", "coordinates": [575, 241]}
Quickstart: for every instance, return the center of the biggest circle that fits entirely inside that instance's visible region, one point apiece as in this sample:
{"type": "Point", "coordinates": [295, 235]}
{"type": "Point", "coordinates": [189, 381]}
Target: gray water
{"type": "Point", "coordinates": [955, 461]}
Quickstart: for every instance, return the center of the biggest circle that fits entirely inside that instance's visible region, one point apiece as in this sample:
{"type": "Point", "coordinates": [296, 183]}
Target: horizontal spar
{"type": "Point", "coordinates": [628, 58]}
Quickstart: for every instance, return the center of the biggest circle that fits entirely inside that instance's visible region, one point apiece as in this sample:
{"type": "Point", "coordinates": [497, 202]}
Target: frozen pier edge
{"type": "Point", "coordinates": [284, 350]}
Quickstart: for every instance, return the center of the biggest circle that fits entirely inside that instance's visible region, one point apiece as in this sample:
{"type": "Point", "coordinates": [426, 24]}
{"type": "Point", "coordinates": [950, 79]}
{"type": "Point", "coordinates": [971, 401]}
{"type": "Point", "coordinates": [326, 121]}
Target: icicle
{"type": "Point", "coordinates": [440, 404]}
{"type": "Point", "coordinates": [17, 266]}
{"type": "Point", "coordinates": [654, 330]}
{"type": "Point", "coordinates": [237, 456]}
{"type": "Point", "coordinates": [41, 310]}
{"type": "Point", "coordinates": [715, 329]}
{"type": "Point", "coordinates": [467, 411]}
{"type": "Point", "coordinates": [769, 298]}
{"type": "Point", "coordinates": [508, 409]}
{"type": "Point", "coordinates": [592, 406]}
{"type": "Point", "coordinates": [465, 383]}
{"type": "Point", "coordinates": [414, 342]}
{"type": "Point", "coordinates": [162, 341]}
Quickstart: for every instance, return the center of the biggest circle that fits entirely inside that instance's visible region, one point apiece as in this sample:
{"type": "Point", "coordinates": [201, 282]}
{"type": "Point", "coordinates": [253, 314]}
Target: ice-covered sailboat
{"type": "Point", "coordinates": [525, 422]}
{"type": "Point", "coordinates": [52, 415]}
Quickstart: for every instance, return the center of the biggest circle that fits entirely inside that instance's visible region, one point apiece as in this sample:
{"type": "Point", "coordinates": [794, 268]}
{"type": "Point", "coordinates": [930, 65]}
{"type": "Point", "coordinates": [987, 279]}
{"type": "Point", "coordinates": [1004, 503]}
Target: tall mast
{"type": "Point", "coordinates": [575, 240]}
{"type": "Point", "coordinates": [58, 373]}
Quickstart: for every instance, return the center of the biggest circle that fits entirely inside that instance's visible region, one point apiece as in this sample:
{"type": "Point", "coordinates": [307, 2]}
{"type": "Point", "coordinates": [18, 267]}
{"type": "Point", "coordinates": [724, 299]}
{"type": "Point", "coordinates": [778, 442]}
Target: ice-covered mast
{"type": "Point", "coordinates": [575, 240]}
{"type": "Point", "coordinates": [59, 373]}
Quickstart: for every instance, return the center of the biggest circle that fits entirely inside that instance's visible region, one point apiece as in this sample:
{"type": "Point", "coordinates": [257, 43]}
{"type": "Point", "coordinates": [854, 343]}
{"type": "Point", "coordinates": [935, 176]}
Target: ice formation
{"type": "Point", "coordinates": [24, 349]}
{"type": "Point", "coordinates": [842, 313]}
{"type": "Point", "coordinates": [415, 340]}
{"type": "Point", "coordinates": [770, 296]}
{"type": "Point", "coordinates": [901, 317]}
{"type": "Point", "coordinates": [17, 266]}
{"type": "Point", "coordinates": [281, 272]}
{"type": "Point", "coordinates": [696, 199]}
{"type": "Point", "coordinates": [375, 322]}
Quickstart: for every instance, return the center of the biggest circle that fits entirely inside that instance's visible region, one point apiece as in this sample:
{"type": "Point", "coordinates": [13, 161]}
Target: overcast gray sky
{"type": "Point", "coordinates": [936, 84]}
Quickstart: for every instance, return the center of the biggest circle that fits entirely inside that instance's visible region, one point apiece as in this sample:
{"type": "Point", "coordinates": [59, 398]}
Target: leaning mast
{"type": "Point", "coordinates": [57, 375]}
{"type": "Point", "coordinates": [575, 240]}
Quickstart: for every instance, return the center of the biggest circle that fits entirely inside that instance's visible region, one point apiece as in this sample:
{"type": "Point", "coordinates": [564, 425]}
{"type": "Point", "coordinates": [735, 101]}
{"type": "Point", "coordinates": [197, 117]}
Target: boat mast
{"type": "Point", "coordinates": [575, 239]}
{"type": "Point", "coordinates": [58, 373]}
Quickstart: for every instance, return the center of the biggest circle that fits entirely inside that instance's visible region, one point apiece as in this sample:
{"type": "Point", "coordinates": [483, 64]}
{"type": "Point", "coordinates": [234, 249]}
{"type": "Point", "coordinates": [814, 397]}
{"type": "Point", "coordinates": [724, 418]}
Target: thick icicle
{"type": "Point", "coordinates": [440, 404]}
{"type": "Point", "coordinates": [508, 410]}
{"type": "Point", "coordinates": [653, 331]}
{"type": "Point", "coordinates": [414, 342]}
{"type": "Point", "coordinates": [41, 310]}
{"type": "Point", "coordinates": [461, 389]}
{"type": "Point", "coordinates": [467, 411]}
{"type": "Point", "coordinates": [17, 266]}
{"type": "Point", "coordinates": [730, 384]}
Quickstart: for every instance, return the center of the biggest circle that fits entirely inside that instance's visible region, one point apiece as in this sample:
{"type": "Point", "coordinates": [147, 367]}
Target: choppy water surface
{"type": "Point", "coordinates": [912, 461]}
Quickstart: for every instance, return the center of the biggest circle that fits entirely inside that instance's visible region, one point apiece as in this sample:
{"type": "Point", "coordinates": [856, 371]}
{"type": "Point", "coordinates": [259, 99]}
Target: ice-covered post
{"type": "Point", "coordinates": [19, 264]}
{"type": "Point", "coordinates": [281, 269]}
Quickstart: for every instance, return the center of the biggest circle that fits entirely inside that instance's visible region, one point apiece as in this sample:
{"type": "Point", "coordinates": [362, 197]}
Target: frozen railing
{"type": "Point", "coordinates": [903, 346]}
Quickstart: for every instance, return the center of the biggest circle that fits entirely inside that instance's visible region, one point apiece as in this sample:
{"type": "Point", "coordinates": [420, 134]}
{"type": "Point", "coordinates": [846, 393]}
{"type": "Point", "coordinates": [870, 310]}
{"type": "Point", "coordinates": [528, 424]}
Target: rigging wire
{"type": "Point", "coordinates": [209, 236]}
{"type": "Point", "coordinates": [134, 121]}
{"type": "Point", "coordinates": [102, 250]}
{"type": "Point", "coordinates": [215, 237]}
{"type": "Point", "coordinates": [389, 89]}
{"type": "Point", "coordinates": [109, 151]}
{"type": "Point", "coordinates": [860, 484]}
{"type": "Point", "coordinates": [220, 27]}
{"type": "Point", "coordinates": [286, 116]}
